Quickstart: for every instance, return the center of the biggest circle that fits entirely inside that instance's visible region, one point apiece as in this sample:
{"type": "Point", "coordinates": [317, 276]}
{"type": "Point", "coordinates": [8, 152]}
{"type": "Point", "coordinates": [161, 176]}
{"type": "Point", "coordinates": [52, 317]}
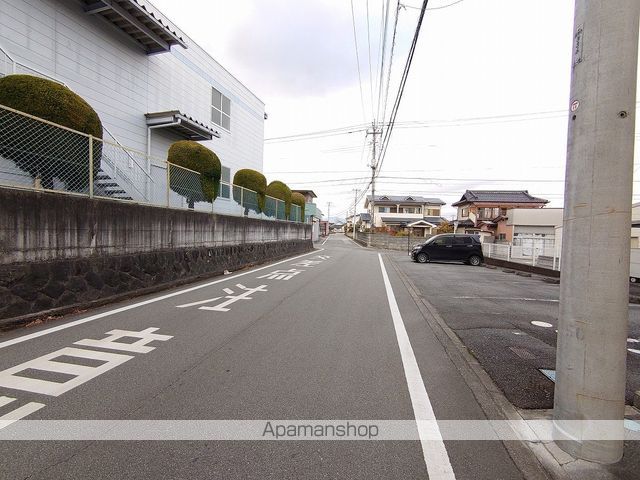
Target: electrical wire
{"type": "Point", "coordinates": [403, 82]}
{"type": "Point", "coordinates": [355, 40]}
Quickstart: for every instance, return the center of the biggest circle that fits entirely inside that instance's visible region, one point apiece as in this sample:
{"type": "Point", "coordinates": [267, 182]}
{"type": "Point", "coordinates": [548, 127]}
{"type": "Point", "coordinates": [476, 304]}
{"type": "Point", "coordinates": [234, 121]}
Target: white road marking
{"type": "Point", "coordinates": [434, 452]}
{"type": "Point", "coordinates": [235, 298]}
{"type": "Point", "coordinates": [192, 304]}
{"type": "Point", "coordinates": [523, 299]}
{"type": "Point", "coordinates": [110, 343]}
{"type": "Point", "coordinates": [541, 324]}
{"type": "Point", "coordinates": [633, 340]}
{"type": "Point", "coordinates": [24, 338]}
{"type": "Point", "coordinates": [282, 274]}
{"type": "Point", "coordinates": [633, 350]}
{"type": "Point", "coordinates": [82, 373]}
{"type": "Point", "coordinates": [325, 240]}
{"type": "Point", "coordinates": [307, 263]}
{"type": "Point", "coordinates": [18, 413]}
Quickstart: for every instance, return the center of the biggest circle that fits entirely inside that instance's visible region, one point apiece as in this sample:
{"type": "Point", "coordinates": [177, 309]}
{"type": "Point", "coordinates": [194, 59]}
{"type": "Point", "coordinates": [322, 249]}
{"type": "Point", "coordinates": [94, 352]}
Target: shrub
{"type": "Point", "coordinates": [196, 157]}
{"type": "Point", "coordinates": [281, 191]}
{"type": "Point", "coordinates": [252, 180]}
{"type": "Point", "coordinates": [298, 199]}
{"type": "Point", "coordinates": [49, 152]}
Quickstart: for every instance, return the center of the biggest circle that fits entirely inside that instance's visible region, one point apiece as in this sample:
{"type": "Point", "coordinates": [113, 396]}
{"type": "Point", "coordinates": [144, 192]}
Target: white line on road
{"type": "Point", "coordinates": [520, 299]}
{"type": "Point", "coordinates": [325, 240]}
{"type": "Point", "coordinates": [434, 452]}
{"type": "Point", "coordinates": [24, 338]}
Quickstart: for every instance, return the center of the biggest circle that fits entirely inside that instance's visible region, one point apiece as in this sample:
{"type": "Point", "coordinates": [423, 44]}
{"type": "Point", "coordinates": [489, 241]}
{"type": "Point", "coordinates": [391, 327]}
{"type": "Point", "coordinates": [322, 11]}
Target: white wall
{"type": "Point", "coordinates": [544, 217]}
{"type": "Point", "coordinates": [113, 73]}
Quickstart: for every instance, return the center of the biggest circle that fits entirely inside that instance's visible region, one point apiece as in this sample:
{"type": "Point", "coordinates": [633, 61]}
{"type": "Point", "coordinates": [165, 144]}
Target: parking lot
{"type": "Point", "coordinates": [509, 324]}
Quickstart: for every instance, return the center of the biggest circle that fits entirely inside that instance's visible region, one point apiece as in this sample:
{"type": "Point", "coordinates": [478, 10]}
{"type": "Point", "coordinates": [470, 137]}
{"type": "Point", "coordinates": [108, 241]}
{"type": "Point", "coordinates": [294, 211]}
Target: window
{"type": "Point", "coordinates": [441, 241]}
{"type": "Point", "coordinates": [220, 109]}
{"type": "Point", "coordinates": [462, 241]}
{"type": "Point", "coordinates": [225, 183]}
{"type": "Point", "coordinates": [434, 212]}
{"type": "Point", "coordinates": [408, 210]}
{"type": "Point", "coordinates": [502, 236]}
{"type": "Point", "coordinates": [465, 213]}
{"type": "Point", "coordinates": [383, 209]}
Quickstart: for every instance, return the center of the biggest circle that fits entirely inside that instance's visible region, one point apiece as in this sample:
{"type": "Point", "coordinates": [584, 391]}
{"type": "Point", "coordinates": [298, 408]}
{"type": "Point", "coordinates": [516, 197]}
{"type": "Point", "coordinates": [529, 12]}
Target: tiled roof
{"type": "Point", "coordinates": [406, 199]}
{"type": "Point", "coordinates": [399, 220]}
{"type": "Point", "coordinates": [498, 196]}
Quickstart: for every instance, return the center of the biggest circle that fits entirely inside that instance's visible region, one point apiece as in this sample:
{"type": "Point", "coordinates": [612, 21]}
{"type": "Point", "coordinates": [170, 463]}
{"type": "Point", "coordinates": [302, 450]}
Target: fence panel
{"type": "Point", "coordinates": [38, 154]}
{"type": "Point", "coordinates": [187, 185]}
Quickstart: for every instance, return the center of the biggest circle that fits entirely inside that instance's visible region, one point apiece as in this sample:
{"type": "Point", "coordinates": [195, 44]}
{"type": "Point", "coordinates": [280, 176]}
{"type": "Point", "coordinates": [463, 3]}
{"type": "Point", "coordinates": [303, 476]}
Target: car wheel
{"type": "Point", "coordinates": [633, 279]}
{"type": "Point", "coordinates": [422, 258]}
{"type": "Point", "coordinates": [475, 260]}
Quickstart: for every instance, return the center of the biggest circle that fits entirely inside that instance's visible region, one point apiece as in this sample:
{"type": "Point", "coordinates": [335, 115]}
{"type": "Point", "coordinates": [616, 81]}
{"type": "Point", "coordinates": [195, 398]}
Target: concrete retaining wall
{"type": "Point", "coordinates": [59, 251]}
{"type": "Point", "coordinates": [39, 226]}
{"type": "Point", "coordinates": [522, 267]}
{"type": "Point", "coordinates": [389, 242]}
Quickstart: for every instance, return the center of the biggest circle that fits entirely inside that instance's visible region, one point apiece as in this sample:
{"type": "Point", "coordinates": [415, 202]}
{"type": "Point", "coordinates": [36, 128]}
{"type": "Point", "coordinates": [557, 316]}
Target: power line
{"type": "Point", "coordinates": [403, 82]}
{"type": "Point", "coordinates": [370, 69]}
{"type": "Point", "coordinates": [355, 40]}
{"type": "Point", "coordinates": [393, 47]}
{"type": "Point", "coordinates": [436, 8]}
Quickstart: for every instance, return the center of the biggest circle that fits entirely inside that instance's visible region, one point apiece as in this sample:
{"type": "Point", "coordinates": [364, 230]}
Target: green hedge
{"type": "Point", "coordinates": [253, 180]}
{"type": "Point", "coordinates": [43, 150]}
{"type": "Point", "coordinates": [197, 157]}
{"type": "Point", "coordinates": [281, 191]}
{"type": "Point", "coordinates": [298, 199]}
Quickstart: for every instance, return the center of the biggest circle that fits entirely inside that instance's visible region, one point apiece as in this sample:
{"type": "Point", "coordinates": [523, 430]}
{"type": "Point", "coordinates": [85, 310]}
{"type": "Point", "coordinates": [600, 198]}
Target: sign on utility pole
{"type": "Point", "coordinates": [594, 286]}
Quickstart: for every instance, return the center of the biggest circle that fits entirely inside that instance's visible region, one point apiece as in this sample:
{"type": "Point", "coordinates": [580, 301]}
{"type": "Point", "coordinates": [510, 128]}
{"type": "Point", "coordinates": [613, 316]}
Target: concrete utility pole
{"type": "Point", "coordinates": [594, 287]}
{"type": "Point", "coordinates": [353, 219]}
{"type": "Point", "coordinates": [328, 217]}
{"type": "Point", "coordinates": [374, 131]}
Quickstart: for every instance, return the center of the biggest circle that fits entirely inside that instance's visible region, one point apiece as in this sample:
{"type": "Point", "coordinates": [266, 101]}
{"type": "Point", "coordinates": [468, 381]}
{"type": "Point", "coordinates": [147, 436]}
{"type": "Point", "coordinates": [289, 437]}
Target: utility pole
{"type": "Point", "coordinates": [373, 131]}
{"type": "Point", "coordinates": [594, 286]}
{"type": "Point", "coordinates": [353, 219]}
{"type": "Point", "coordinates": [328, 217]}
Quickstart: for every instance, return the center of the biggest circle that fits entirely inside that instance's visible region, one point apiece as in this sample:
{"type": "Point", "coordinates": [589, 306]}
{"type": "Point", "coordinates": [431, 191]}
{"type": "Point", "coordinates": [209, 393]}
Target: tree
{"type": "Point", "coordinates": [202, 186]}
{"type": "Point", "coordinates": [445, 227]}
{"type": "Point", "coordinates": [254, 181]}
{"type": "Point", "coordinates": [298, 199]}
{"type": "Point", "coordinates": [281, 191]}
{"type": "Point", "coordinates": [45, 151]}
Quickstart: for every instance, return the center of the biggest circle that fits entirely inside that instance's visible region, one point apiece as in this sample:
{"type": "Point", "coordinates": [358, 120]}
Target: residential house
{"type": "Point", "coordinates": [480, 211]}
{"type": "Point", "coordinates": [401, 213]}
{"type": "Point", "coordinates": [362, 220]}
{"type": "Point", "coordinates": [150, 83]}
{"type": "Point", "coordinates": [312, 213]}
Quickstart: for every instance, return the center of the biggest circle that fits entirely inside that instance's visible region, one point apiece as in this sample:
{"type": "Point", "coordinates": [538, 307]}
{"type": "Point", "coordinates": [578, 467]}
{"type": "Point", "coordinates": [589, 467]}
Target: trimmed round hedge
{"type": "Point", "coordinates": [281, 191]}
{"type": "Point", "coordinates": [49, 152]}
{"type": "Point", "coordinates": [298, 199]}
{"type": "Point", "coordinates": [252, 180]}
{"type": "Point", "coordinates": [196, 157]}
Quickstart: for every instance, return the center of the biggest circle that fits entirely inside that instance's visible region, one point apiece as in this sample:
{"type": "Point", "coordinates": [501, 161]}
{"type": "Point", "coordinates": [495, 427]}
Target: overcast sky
{"type": "Point", "coordinates": [489, 88]}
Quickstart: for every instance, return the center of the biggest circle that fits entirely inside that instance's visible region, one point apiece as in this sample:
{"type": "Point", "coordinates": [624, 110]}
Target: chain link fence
{"type": "Point", "coordinates": [41, 155]}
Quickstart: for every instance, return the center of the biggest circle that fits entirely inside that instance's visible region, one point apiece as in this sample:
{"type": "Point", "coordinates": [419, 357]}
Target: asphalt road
{"type": "Point", "coordinates": [325, 344]}
{"type": "Point", "coordinates": [509, 323]}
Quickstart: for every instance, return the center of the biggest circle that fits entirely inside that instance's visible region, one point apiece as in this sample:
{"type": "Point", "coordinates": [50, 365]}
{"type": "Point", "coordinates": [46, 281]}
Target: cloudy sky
{"type": "Point", "coordinates": [484, 105]}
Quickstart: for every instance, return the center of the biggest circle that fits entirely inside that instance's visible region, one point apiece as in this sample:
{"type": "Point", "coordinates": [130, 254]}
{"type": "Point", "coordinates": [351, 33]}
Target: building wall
{"type": "Point", "coordinates": [544, 217]}
{"type": "Point", "coordinates": [116, 77]}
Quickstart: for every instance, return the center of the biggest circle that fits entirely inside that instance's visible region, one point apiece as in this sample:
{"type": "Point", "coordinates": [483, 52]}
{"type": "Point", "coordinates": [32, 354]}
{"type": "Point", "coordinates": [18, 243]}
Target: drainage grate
{"type": "Point", "coordinates": [523, 353]}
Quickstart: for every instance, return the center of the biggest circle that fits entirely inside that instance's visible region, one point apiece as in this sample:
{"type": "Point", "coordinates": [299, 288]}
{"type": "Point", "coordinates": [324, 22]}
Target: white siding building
{"type": "Point", "coordinates": [128, 61]}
